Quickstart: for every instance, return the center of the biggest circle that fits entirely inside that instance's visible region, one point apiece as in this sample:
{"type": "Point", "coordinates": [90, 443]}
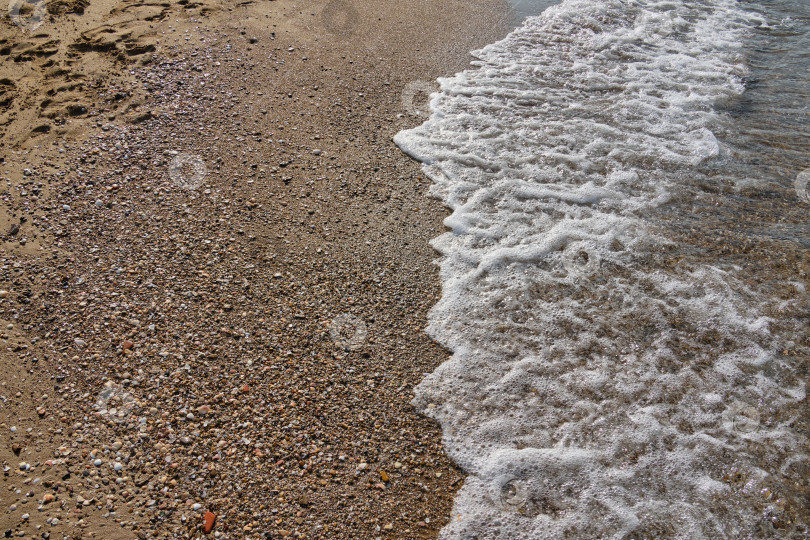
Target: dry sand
{"type": "Point", "coordinates": [215, 268]}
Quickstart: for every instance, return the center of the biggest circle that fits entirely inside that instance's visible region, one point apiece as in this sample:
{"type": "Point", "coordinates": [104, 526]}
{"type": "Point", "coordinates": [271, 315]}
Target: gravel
{"type": "Point", "coordinates": [247, 348]}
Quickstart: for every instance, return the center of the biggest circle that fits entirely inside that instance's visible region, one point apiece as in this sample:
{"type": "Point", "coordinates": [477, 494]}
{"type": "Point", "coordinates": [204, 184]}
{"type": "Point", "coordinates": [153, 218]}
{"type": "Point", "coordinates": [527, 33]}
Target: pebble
{"type": "Point", "coordinates": [3, 293]}
{"type": "Point", "coordinates": [209, 520]}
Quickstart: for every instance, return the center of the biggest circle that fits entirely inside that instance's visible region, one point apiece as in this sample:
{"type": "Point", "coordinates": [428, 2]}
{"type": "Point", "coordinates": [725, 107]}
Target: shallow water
{"type": "Point", "coordinates": [625, 276]}
{"type": "Point", "coordinates": [518, 10]}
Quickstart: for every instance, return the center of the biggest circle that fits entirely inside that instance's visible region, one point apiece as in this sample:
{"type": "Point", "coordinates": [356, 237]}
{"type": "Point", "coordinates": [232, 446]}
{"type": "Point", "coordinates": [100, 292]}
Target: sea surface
{"type": "Point", "coordinates": [625, 272]}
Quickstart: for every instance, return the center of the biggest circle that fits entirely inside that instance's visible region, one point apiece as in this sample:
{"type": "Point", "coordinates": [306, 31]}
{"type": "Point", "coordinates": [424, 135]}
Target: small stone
{"type": "Point", "coordinates": [316, 152]}
{"type": "Point", "coordinates": [3, 293]}
{"type": "Point", "coordinates": [209, 521]}
{"type": "Point", "coordinates": [80, 342]}
{"type": "Point", "coordinates": [66, 207]}
{"type": "Point", "coordinates": [97, 463]}
{"type": "Point", "coordinates": [196, 506]}
{"type": "Point", "coordinates": [48, 498]}
{"type": "Point", "coordinates": [127, 345]}
{"type": "Point", "coordinates": [118, 467]}
{"type": "Point", "coordinates": [24, 466]}
{"type": "Point", "coordinates": [384, 476]}
{"type": "Point", "coordinates": [117, 446]}
{"type": "Point", "coordinates": [362, 467]}
{"type": "Point", "coordinates": [41, 411]}
{"type": "Point", "coordinates": [99, 202]}
{"type": "Point", "coordinates": [24, 517]}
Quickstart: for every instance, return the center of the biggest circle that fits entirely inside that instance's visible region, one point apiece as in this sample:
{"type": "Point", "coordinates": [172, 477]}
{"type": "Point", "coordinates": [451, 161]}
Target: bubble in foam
{"type": "Point", "coordinates": [581, 259]}
{"type": "Point", "coordinates": [339, 17]}
{"type": "Point", "coordinates": [512, 494]}
{"type": "Point", "coordinates": [415, 97]}
{"type": "Point", "coordinates": [741, 418]}
{"type": "Point", "coordinates": [115, 403]}
{"type": "Point", "coordinates": [28, 14]}
{"type": "Point", "coordinates": [187, 171]}
{"type": "Point", "coordinates": [348, 332]}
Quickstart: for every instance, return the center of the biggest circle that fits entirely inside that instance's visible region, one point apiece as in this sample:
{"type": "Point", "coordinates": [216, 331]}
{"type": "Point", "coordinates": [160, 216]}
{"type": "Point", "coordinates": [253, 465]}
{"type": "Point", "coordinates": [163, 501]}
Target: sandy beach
{"type": "Point", "coordinates": [215, 267]}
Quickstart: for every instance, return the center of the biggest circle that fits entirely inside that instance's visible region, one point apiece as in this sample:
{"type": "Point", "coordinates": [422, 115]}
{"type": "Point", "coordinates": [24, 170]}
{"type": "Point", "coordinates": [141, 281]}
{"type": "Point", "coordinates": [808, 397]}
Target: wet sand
{"type": "Point", "coordinates": [215, 268]}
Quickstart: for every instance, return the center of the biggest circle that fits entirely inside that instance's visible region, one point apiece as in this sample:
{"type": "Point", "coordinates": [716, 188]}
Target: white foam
{"type": "Point", "coordinates": [593, 391]}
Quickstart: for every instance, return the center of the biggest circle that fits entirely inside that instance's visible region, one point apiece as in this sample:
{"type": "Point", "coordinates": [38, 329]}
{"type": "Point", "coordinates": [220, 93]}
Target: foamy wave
{"type": "Point", "coordinates": [597, 388]}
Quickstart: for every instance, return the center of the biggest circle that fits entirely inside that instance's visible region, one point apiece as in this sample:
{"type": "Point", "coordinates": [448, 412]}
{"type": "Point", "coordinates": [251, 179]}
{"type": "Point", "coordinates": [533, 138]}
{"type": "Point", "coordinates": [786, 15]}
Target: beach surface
{"type": "Point", "coordinates": [215, 267]}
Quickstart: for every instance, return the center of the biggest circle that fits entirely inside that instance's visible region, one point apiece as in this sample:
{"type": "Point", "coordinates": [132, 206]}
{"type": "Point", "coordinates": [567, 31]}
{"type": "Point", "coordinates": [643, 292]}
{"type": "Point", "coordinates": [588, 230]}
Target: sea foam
{"type": "Point", "coordinates": [598, 387]}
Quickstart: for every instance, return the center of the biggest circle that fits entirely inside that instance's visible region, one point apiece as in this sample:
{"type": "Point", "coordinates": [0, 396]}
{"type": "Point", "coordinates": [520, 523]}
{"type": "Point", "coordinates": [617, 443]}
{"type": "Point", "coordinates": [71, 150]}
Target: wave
{"type": "Point", "coordinates": [601, 384]}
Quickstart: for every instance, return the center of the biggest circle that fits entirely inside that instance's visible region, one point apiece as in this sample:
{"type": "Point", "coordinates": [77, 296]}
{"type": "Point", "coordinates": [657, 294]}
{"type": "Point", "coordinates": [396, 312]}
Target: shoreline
{"type": "Point", "coordinates": [179, 341]}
